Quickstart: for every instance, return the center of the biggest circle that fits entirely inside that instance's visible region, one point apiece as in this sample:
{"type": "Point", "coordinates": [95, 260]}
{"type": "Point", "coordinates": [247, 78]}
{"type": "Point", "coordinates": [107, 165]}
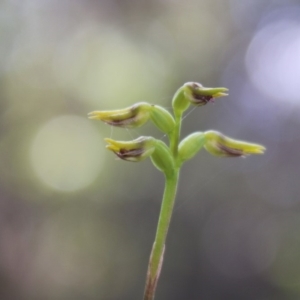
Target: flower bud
{"type": "Point", "coordinates": [180, 103]}
{"type": "Point", "coordinates": [162, 118]}
{"type": "Point", "coordinates": [136, 150]}
{"type": "Point", "coordinates": [162, 157]}
{"type": "Point", "coordinates": [130, 117]}
{"type": "Point", "coordinates": [220, 145]}
{"type": "Point", "coordinates": [199, 95]}
{"type": "Point", "coordinates": [190, 146]}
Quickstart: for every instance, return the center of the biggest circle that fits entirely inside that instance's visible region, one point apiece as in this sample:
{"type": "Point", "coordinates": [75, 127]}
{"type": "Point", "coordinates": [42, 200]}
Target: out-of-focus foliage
{"type": "Point", "coordinates": [77, 224]}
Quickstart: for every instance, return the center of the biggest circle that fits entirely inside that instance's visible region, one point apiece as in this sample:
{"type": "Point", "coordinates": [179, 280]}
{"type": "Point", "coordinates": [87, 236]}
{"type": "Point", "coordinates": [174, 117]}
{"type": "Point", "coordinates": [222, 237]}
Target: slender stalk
{"type": "Point", "coordinates": [171, 182]}
{"type": "Point", "coordinates": [157, 253]}
{"type": "Point", "coordinates": [174, 140]}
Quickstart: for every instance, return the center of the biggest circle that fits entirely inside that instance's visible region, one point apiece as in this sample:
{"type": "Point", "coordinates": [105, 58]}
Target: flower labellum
{"type": "Point", "coordinates": [219, 145]}
{"type": "Point", "coordinates": [130, 117]}
{"type": "Point", "coordinates": [199, 95]}
{"type": "Point", "coordinates": [136, 150]}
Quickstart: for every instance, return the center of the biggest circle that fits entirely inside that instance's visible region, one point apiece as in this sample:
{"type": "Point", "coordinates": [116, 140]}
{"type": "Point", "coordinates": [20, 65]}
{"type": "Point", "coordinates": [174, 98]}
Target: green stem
{"type": "Point", "coordinates": [174, 141]}
{"type": "Point", "coordinates": [156, 257]}
{"type": "Point", "coordinates": [171, 182]}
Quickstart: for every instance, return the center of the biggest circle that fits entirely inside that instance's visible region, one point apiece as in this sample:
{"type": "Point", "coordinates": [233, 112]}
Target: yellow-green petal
{"type": "Point", "coordinates": [130, 117]}
{"type": "Point", "coordinates": [220, 145]}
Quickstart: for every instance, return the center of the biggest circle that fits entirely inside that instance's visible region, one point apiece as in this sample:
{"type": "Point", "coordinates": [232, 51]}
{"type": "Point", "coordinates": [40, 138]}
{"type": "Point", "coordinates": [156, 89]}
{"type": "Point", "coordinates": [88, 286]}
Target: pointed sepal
{"type": "Point", "coordinates": [130, 117]}
{"type": "Point", "coordinates": [199, 95]}
{"type": "Point", "coordinates": [220, 145]}
{"type": "Point", "coordinates": [135, 151]}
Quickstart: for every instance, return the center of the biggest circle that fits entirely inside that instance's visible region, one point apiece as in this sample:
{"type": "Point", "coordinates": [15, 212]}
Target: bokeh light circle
{"type": "Point", "coordinates": [273, 61]}
{"type": "Point", "coordinates": [67, 154]}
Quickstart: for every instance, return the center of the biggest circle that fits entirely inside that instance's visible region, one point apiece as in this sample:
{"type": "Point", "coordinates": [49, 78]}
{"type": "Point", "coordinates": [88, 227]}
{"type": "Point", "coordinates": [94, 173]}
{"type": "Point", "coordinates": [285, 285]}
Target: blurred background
{"type": "Point", "coordinates": [75, 223]}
